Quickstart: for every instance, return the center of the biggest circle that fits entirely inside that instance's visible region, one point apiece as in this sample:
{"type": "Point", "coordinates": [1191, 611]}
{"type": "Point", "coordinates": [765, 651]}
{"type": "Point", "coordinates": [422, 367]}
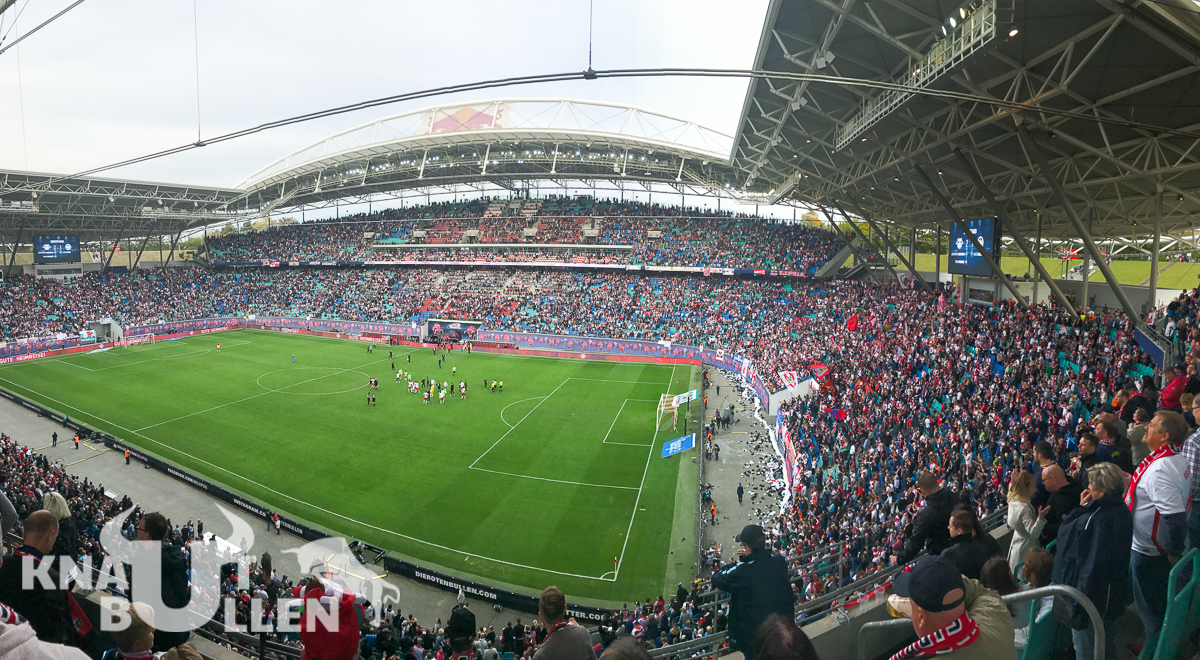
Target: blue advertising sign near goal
{"type": "Point", "coordinates": [672, 447]}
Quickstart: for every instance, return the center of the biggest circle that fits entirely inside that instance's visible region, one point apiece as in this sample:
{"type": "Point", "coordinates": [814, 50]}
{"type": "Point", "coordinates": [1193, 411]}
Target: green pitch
{"type": "Point", "coordinates": [545, 483]}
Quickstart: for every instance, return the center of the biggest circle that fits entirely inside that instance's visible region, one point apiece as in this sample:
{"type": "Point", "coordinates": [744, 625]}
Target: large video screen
{"type": "Point", "coordinates": [964, 258]}
{"type": "Point", "coordinates": [56, 250]}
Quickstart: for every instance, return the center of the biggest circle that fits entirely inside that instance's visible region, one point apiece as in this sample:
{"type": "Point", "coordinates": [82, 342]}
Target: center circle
{"type": "Point", "coordinates": [313, 381]}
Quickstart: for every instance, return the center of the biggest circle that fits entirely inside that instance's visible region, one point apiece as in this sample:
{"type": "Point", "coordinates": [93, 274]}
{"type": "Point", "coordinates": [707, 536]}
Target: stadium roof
{"type": "Point", "coordinates": [94, 208]}
{"type": "Point", "coordinates": [1107, 90]}
{"type": "Point", "coordinates": [498, 143]}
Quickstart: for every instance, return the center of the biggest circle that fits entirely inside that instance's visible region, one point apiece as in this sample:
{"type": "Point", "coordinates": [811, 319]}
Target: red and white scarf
{"type": "Point", "coordinates": [1131, 491]}
{"type": "Point", "coordinates": [960, 633]}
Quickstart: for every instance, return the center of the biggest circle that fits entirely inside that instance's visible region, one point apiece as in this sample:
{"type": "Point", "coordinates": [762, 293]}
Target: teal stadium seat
{"type": "Point", "coordinates": [1048, 639]}
{"type": "Point", "coordinates": [1183, 608]}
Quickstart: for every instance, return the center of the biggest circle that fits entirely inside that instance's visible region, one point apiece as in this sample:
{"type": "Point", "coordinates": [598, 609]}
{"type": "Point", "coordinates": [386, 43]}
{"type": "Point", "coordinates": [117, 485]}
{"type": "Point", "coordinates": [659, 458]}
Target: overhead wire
{"type": "Point", "coordinates": [41, 25]}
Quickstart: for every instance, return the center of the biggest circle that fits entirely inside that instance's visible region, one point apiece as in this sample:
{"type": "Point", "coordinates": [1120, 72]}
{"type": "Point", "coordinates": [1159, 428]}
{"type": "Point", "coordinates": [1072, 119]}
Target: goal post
{"type": "Point", "coordinates": [667, 406]}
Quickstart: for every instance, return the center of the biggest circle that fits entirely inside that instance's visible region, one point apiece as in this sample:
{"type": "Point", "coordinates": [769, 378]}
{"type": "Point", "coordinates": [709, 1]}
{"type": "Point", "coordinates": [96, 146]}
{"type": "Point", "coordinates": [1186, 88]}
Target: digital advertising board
{"type": "Point", "coordinates": [56, 250]}
{"type": "Point", "coordinates": [964, 258]}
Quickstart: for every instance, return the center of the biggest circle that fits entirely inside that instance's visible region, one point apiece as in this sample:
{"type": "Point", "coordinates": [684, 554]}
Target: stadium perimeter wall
{"type": "Point", "coordinates": [527, 344]}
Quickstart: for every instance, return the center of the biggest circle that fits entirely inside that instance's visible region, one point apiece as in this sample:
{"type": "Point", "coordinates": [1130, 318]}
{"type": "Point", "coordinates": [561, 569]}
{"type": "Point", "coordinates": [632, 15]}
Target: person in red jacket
{"type": "Point", "coordinates": [321, 640]}
{"type": "Point", "coordinates": [1176, 381]}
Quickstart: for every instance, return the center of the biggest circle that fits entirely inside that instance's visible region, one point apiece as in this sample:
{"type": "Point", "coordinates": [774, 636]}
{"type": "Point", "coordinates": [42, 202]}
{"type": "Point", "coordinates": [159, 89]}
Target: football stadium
{"type": "Point", "coordinates": [788, 329]}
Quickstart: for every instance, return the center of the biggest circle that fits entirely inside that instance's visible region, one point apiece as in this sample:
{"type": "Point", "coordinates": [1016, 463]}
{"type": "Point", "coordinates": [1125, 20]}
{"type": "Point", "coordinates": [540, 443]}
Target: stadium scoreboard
{"type": "Point", "coordinates": [964, 258]}
{"type": "Point", "coordinates": [56, 250]}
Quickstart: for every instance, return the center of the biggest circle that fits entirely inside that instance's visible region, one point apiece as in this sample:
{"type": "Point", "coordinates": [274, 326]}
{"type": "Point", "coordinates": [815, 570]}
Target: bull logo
{"type": "Point", "coordinates": [145, 559]}
{"type": "Point", "coordinates": [332, 559]}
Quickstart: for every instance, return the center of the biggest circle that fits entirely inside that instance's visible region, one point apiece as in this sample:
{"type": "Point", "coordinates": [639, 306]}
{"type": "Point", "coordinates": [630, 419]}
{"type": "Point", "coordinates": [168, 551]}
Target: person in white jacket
{"type": "Point", "coordinates": [19, 641]}
{"type": "Point", "coordinates": [1022, 520]}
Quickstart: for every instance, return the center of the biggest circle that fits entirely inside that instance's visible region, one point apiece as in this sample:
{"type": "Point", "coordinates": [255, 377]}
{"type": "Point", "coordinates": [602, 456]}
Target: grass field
{"type": "Point", "coordinates": [544, 483]}
{"type": "Point", "coordinates": [1171, 274]}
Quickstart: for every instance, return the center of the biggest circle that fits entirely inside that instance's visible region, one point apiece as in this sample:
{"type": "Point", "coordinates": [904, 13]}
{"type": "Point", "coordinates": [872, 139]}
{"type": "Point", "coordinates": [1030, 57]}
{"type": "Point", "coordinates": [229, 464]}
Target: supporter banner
{"type": "Point", "coordinates": [790, 379]}
{"type": "Point", "coordinates": [672, 447]}
{"type": "Point", "coordinates": [783, 441]}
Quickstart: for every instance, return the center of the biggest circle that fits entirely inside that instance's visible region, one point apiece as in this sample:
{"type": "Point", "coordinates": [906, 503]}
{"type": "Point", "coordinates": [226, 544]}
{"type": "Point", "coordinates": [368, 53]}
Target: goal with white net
{"type": "Point", "coordinates": [667, 406]}
{"type": "Point", "coordinates": [133, 341]}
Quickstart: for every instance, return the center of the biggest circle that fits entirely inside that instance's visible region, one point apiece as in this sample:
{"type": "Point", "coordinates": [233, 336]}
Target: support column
{"type": "Point", "coordinates": [1048, 175]}
{"type": "Point", "coordinates": [1087, 267]}
{"type": "Point", "coordinates": [867, 240]}
{"type": "Point", "coordinates": [912, 245]}
{"type": "Point", "coordinates": [171, 253]}
{"type": "Point", "coordinates": [112, 252]}
{"type": "Point", "coordinates": [849, 239]}
{"type": "Point", "coordinates": [971, 237]}
{"type": "Point", "coordinates": [888, 242]}
{"type": "Point", "coordinates": [12, 259]}
{"type": "Point", "coordinates": [142, 249]}
{"type": "Point", "coordinates": [1037, 257]}
{"type": "Point", "coordinates": [1158, 201]}
{"type": "Point", "coordinates": [937, 253]}
{"type": "Point", "coordinates": [1011, 228]}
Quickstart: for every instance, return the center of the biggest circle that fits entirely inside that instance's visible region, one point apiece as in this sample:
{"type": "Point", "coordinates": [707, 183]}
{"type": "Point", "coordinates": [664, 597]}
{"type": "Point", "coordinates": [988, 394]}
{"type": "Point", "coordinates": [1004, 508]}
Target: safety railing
{"type": "Point", "coordinates": [1019, 597]}
{"type": "Point", "coordinates": [257, 644]}
{"type": "Point", "coordinates": [699, 648]}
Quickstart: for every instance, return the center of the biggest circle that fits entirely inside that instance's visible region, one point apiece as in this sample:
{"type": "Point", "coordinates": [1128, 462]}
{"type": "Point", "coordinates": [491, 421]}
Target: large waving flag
{"type": "Point", "coordinates": [838, 414]}
{"type": "Point", "coordinates": [852, 324]}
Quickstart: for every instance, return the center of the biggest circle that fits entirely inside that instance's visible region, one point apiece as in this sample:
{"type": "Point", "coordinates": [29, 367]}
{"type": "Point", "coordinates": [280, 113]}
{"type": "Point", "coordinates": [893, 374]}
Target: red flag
{"type": "Point", "coordinates": [78, 618]}
{"type": "Point", "coordinates": [852, 324]}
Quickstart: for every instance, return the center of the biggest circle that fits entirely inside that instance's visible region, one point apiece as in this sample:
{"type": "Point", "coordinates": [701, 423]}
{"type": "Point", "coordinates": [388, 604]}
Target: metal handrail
{"type": "Point", "coordinates": [713, 640]}
{"type": "Point", "coordinates": [249, 641]}
{"type": "Point", "coordinates": [1019, 597]}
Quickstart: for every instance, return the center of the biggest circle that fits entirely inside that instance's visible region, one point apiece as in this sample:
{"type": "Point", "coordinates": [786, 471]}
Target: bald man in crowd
{"type": "Point", "coordinates": [1064, 498]}
{"type": "Point", "coordinates": [46, 606]}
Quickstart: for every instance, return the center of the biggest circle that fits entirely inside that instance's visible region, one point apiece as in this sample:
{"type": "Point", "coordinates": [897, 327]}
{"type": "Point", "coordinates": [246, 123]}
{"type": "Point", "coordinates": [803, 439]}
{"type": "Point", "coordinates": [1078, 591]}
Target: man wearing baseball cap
{"type": "Point", "coordinates": [759, 587]}
{"type": "Point", "coordinates": [953, 614]}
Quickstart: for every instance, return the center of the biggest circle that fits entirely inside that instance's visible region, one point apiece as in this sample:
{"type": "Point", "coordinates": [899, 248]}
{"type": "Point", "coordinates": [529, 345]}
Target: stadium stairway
{"type": "Point", "coordinates": [831, 267]}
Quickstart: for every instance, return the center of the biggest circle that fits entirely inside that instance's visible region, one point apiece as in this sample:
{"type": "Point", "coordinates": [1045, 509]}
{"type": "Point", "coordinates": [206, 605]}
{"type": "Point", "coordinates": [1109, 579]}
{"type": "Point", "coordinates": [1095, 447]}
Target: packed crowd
{"type": "Point", "coordinates": [659, 235]}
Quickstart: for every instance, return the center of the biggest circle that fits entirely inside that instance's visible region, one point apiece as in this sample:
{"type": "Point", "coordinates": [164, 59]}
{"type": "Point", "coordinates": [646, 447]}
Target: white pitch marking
{"type": "Point", "coordinates": [485, 453]}
{"type": "Point", "coordinates": [557, 481]}
{"type": "Point", "coordinates": [503, 421]}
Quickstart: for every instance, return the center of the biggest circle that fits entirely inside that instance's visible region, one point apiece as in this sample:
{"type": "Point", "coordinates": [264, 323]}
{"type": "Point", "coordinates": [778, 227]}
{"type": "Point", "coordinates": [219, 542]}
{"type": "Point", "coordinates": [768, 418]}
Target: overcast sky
{"type": "Point", "coordinates": [114, 79]}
